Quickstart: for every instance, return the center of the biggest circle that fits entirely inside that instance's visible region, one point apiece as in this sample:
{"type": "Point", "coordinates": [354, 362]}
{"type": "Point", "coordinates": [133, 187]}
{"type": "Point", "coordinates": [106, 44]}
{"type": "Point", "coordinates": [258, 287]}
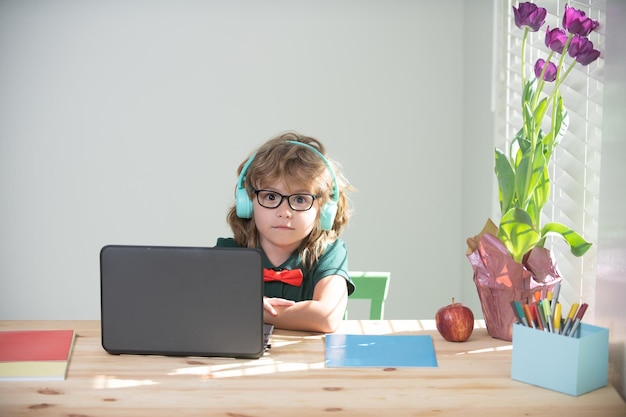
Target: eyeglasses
{"type": "Point", "coordinates": [272, 199]}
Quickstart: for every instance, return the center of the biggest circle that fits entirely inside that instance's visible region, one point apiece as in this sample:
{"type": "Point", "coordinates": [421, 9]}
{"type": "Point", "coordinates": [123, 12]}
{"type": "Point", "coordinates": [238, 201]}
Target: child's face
{"type": "Point", "coordinates": [283, 227]}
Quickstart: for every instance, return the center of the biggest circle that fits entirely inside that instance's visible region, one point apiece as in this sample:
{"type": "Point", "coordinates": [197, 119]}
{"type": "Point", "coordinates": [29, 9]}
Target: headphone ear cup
{"type": "Point", "coordinates": [327, 215]}
{"type": "Point", "coordinates": [243, 204]}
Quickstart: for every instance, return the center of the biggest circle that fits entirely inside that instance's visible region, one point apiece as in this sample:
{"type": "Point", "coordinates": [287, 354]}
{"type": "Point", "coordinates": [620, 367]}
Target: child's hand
{"type": "Point", "coordinates": [269, 303]}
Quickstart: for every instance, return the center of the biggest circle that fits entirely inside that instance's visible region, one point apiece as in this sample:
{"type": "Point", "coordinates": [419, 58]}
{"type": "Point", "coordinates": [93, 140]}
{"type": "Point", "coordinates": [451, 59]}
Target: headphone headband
{"type": "Point", "coordinates": [335, 196]}
{"type": "Point", "coordinates": [244, 205]}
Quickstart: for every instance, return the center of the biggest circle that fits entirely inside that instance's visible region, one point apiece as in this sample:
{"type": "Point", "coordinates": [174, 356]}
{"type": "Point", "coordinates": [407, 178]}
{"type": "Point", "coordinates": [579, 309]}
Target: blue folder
{"type": "Point", "coordinates": [352, 350]}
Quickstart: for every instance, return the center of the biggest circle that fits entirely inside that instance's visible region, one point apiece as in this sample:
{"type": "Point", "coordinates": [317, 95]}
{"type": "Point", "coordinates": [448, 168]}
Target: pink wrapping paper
{"type": "Point", "coordinates": [500, 280]}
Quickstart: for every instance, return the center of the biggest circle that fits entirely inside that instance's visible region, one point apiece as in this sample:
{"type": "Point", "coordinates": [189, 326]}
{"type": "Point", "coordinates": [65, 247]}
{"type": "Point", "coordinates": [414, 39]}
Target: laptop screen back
{"type": "Point", "coordinates": [182, 301]}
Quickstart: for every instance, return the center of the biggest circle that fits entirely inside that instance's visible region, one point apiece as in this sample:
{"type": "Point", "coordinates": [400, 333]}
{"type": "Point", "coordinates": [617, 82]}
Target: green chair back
{"type": "Point", "coordinates": [372, 286]}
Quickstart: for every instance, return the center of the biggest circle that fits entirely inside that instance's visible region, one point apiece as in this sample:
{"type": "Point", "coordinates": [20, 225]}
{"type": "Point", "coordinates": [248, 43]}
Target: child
{"type": "Point", "coordinates": [291, 204]}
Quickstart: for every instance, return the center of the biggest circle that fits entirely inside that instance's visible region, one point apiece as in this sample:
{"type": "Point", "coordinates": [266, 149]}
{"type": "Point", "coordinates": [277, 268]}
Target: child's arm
{"type": "Point", "coordinates": [322, 314]}
{"type": "Point", "coordinates": [270, 304]}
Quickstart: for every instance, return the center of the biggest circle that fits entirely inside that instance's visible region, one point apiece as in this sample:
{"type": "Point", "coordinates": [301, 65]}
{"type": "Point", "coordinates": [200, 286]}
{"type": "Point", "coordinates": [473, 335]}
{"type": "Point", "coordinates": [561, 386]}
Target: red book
{"type": "Point", "coordinates": [35, 354]}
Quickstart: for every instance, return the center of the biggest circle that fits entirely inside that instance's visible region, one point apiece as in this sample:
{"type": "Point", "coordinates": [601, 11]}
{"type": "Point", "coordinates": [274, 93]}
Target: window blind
{"type": "Point", "coordinates": [575, 166]}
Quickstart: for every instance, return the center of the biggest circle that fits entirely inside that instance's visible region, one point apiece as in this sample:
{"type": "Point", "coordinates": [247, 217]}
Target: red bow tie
{"type": "Point", "coordinates": [288, 276]}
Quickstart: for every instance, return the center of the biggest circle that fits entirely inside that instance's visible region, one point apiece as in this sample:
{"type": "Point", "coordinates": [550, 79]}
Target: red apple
{"type": "Point", "coordinates": [455, 322]}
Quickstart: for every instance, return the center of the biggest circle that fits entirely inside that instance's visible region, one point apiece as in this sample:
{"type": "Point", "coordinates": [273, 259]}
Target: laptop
{"type": "Point", "coordinates": [182, 301]}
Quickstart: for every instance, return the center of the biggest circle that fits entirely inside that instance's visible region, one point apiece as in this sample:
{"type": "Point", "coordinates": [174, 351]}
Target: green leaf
{"type": "Point", "coordinates": [517, 233]}
{"type": "Point", "coordinates": [529, 174]}
{"type": "Point", "coordinates": [540, 111]}
{"type": "Point", "coordinates": [541, 192]}
{"type": "Point", "coordinates": [529, 91]}
{"type": "Point", "coordinates": [539, 197]}
{"type": "Point", "coordinates": [578, 245]}
{"type": "Point", "coordinates": [506, 181]}
{"type": "Point", "coordinates": [528, 95]}
{"type": "Point", "coordinates": [529, 121]}
{"type": "Point", "coordinates": [522, 142]}
{"type": "Point", "coordinates": [534, 212]}
{"type": "Point", "coordinates": [562, 122]}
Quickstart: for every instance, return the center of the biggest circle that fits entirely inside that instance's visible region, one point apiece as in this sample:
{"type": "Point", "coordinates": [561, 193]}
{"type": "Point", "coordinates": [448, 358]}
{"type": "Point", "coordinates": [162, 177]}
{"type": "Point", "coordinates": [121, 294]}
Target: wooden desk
{"type": "Point", "coordinates": [473, 378]}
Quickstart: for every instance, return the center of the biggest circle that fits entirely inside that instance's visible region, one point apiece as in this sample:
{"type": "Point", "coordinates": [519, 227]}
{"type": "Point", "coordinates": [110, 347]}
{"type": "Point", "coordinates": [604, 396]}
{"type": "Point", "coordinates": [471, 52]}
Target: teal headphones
{"type": "Point", "coordinates": [244, 204]}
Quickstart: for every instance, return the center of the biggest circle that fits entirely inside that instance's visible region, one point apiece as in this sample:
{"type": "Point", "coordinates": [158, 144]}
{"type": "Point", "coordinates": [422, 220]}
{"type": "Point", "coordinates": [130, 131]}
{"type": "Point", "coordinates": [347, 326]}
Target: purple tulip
{"type": "Point", "coordinates": [556, 39]}
{"type": "Point", "coordinates": [581, 49]}
{"type": "Point", "coordinates": [550, 74]}
{"type": "Point", "coordinates": [528, 15]}
{"type": "Point", "coordinates": [576, 22]}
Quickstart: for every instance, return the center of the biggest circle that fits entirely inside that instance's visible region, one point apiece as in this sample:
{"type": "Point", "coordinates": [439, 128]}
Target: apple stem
{"type": "Point", "coordinates": [452, 300]}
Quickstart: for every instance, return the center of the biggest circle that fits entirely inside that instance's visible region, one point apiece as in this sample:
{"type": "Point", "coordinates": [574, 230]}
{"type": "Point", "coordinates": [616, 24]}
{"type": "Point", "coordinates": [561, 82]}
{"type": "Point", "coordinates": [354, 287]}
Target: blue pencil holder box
{"type": "Point", "coordinates": [571, 365]}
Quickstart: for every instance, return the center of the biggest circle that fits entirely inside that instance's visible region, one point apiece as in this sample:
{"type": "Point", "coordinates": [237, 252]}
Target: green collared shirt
{"type": "Point", "coordinates": [334, 261]}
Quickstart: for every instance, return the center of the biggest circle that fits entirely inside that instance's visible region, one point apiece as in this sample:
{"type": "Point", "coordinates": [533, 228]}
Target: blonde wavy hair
{"type": "Point", "coordinates": [280, 160]}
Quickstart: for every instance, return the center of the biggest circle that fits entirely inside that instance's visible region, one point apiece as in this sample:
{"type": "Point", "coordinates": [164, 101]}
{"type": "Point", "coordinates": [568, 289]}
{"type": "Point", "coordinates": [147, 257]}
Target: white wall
{"type": "Point", "coordinates": [479, 192]}
{"type": "Point", "coordinates": [124, 122]}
